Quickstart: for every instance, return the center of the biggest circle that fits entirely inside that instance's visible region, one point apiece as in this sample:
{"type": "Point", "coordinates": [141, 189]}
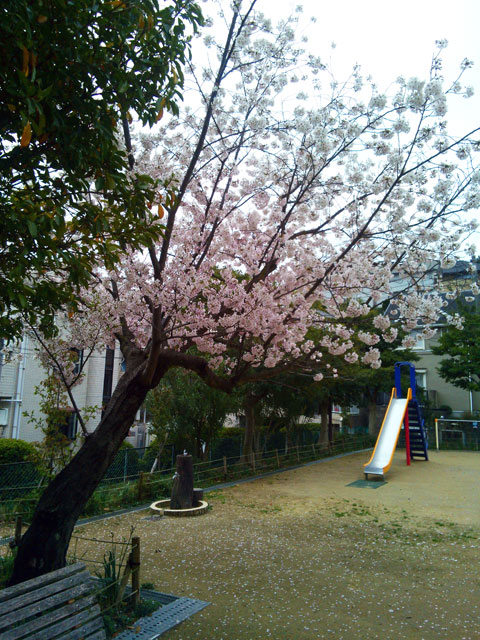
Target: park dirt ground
{"type": "Point", "coordinates": [317, 552]}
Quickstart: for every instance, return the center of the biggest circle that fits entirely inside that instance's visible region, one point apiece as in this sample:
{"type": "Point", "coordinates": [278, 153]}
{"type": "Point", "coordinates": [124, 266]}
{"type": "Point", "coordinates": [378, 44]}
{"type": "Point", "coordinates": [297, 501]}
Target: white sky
{"type": "Point", "coordinates": [391, 38]}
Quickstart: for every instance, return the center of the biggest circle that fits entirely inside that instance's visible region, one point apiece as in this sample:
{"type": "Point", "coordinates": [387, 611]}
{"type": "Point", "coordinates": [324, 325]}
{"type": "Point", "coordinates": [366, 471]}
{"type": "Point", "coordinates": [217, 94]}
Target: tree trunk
{"type": "Point", "coordinates": [330, 423]}
{"type": "Point", "coordinates": [291, 439]}
{"type": "Point", "coordinates": [182, 490]}
{"type": "Point", "coordinates": [372, 414]}
{"type": "Point", "coordinates": [201, 438]}
{"type": "Point", "coordinates": [44, 546]}
{"type": "Point", "coordinates": [157, 464]}
{"type": "Point", "coordinates": [206, 451]}
{"type": "Point", "coordinates": [323, 437]}
{"type": "Point", "coordinates": [249, 436]}
{"type": "Point", "coordinates": [257, 440]}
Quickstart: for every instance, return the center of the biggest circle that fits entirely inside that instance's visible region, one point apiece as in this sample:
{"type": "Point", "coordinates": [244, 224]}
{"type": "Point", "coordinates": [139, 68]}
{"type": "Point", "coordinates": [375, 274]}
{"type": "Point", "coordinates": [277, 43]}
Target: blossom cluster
{"type": "Point", "coordinates": [290, 213]}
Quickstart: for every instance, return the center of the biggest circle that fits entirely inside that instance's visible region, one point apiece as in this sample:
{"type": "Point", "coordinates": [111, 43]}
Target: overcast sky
{"type": "Point", "coordinates": [390, 38]}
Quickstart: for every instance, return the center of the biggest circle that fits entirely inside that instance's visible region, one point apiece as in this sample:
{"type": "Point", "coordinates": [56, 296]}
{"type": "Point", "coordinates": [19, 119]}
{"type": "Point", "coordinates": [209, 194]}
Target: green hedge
{"type": "Point", "coordinates": [15, 450]}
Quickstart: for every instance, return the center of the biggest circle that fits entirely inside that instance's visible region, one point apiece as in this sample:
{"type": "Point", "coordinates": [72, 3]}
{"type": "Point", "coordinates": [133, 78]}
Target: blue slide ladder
{"type": "Point", "coordinates": [418, 433]}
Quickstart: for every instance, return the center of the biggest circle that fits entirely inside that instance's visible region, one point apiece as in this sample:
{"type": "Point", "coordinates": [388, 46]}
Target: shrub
{"type": "Point", "coordinates": [445, 410]}
{"type": "Point", "coordinates": [18, 473]}
{"type": "Point", "coordinates": [6, 568]}
{"type": "Point", "coordinates": [159, 487]}
{"type": "Point", "coordinates": [96, 504]}
{"type": "Point", "coordinates": [228, 443]}
{"type": "Point", "coordinates": [148, 458]}
{"type": "Point", "coordinates": [15, 450]}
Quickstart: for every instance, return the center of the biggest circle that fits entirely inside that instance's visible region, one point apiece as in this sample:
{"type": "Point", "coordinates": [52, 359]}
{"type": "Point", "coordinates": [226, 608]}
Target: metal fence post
{"type": "Point", "coordinates": [18, 530]}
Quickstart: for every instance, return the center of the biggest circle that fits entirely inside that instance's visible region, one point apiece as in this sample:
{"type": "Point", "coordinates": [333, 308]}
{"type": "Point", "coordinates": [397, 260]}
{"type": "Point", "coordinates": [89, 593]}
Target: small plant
{"type": "Point", "coordinates": [6, 567]}
{"type": "Point", "coordinates": [118, 612]}
{"type": "Point", "coordinates": [110, 578]}
{"type": "Point", "coordinates": [96, 504]}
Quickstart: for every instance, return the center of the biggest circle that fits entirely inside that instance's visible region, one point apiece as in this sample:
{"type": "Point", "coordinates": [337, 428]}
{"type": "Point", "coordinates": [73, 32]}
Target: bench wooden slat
{"type": "Point", "coordinates": [44, 621]}
{"type": "Point", "coordinates": [39, 606]}
{"type": "Point", "coordinates": [98, 635]}
{"type": "Point", "coordinates": [41, 593]}
{"type": "Point", "coordinates": [40, 581]}
{"type": "Point", "coordinates": [84, 633]}
{"type": "Point", "coordinates": [86, 621]}
{"type": "Point", "coordinates": [60, 605]}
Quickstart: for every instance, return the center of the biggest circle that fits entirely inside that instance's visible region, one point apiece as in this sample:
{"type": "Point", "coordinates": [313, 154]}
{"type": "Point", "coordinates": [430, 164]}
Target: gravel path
{"type": "Point", "coordinates": [318, 553]}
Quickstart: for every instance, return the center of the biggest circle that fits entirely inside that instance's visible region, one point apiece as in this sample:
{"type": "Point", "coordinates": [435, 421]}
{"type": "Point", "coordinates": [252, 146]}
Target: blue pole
{"type": "Point", "coordinates": [398, 384]}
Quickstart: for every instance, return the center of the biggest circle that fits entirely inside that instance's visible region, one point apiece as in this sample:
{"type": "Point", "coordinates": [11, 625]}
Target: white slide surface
{"type": "Point", "coordinates": [387, 439]}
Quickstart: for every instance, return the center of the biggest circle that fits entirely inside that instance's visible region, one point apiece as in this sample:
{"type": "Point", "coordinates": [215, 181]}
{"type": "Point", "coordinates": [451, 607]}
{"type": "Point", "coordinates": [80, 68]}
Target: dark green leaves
{"type": "Point", "coordinates": [70, 71]}
{"type": "Point", "coordinates": [461, 367]}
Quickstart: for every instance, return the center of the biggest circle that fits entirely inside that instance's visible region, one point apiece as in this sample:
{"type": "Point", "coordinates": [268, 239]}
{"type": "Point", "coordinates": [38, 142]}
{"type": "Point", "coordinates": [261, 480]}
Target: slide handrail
{"type": "Point", "coordinates": [392, 397]}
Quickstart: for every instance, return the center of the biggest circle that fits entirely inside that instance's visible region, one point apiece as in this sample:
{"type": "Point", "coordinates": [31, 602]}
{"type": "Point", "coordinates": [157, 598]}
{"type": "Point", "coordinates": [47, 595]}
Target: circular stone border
{"type": "Point", "coordinates": [158, 509]}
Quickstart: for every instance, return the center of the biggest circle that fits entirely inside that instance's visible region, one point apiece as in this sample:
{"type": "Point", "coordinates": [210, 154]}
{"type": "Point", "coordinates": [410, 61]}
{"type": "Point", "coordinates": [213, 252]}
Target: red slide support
{"type": "Point", "coordinates": [407, 436]}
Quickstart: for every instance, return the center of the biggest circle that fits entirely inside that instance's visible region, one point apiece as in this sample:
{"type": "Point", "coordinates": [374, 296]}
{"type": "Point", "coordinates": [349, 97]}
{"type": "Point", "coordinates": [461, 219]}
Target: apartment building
{"type": "Point", "coordinates": [21, 372]}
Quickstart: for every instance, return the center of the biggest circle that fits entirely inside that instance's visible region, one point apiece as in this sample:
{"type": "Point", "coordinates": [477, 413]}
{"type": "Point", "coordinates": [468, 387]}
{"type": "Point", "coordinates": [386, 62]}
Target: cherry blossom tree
{"type": "Point", "coordinates": [289, 201]}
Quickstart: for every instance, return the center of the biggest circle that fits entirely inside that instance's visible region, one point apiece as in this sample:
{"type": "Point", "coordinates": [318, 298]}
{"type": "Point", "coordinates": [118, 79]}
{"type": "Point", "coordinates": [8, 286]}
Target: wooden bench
{"type": "Point", "coordinates": [61, 604]}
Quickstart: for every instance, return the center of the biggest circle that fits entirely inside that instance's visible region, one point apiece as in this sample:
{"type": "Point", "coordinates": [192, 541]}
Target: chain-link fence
{"type": "Point", "coordinates": [455, 434]}
{"type": "Point", "coordinates": [20, 487]}
{"type": "Point", "coordinates": [130, 481]}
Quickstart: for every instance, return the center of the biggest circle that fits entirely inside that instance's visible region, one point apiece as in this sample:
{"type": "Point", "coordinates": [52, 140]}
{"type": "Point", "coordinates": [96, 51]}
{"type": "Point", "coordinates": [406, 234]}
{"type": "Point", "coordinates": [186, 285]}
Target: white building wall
{"type": "Point", "coordinates": [9, 373]}
{"type": "Point", "coordinates": [29, 401]}
{"type": "Point", "coordinates": [93, 385]}
{"type": "Point", "coordinates": [20, 376]}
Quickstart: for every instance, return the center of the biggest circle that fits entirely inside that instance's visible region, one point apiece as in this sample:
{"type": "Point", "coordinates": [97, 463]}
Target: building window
{"type": "Point", "coordinates": [420, 342]}
{"type": "Point", "coordinates": [108, 376]}
{"type": "Point", "coordinates": [421, 378]}
{"type": "Point", "coordinates": [77, 359]}
{"type": "Point", "coordinates": [69, 427]}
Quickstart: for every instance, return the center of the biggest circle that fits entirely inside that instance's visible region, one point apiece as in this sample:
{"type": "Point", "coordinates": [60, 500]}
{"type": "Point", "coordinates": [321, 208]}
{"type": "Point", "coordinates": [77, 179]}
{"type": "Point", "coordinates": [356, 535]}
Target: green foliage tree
{"type": "Point", "coordinates": [57, 446]}
{"type": "Point", "coordinates": [461, 367]}
{"type": "Point", "coordinates": [187, 412]}
{"type": "Point", "coordinates": [289, 400]}
{"type": "Point", "coordinates": [282, 402]}
{"type": "Point", "coordinates": [73, 74]}
{"type": "Point", "coordinates": [372, 382]}
{"type": "Point", "coordinates": [56, 449]}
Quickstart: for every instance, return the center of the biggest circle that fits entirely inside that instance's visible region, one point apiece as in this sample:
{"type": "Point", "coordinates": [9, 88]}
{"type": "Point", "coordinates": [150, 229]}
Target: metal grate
{"type": "Point", "coordinates": [152, 627]}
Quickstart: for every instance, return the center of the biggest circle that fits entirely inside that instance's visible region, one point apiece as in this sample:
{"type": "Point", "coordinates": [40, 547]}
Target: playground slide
{"type": "Point", "coordinates": [382, 455]}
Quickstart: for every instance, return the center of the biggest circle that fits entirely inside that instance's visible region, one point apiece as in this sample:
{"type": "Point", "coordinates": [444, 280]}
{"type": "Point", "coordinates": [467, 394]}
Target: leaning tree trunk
{"type": "Point", "coordinates": [44, 546]}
